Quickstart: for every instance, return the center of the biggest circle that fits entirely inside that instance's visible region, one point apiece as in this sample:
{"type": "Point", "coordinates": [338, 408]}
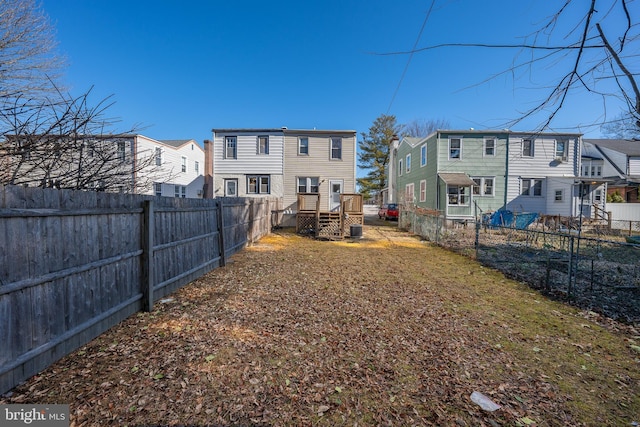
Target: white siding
{"type": "Point", "coordinates": [563, 207]}
{"type": "Point", "coordinates": [247, 160]}
{"type": "Point", "coordinates": [169, 173]}
{"type": "Point", "coordinates": [543, 165]}
{"type": "Point", "coordinates": [634, 166]}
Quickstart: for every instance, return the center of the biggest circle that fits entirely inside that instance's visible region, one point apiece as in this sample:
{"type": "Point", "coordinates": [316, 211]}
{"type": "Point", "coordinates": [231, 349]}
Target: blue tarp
{"type": "Point", "coordinates": [505, 218]}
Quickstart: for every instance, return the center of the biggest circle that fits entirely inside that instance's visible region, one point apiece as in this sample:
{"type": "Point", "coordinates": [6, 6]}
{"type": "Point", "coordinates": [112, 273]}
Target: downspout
{"type": "Point", "coordinates": [506, 175]}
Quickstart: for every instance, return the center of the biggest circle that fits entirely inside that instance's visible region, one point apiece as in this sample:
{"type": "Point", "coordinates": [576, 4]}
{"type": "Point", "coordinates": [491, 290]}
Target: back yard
{"type": "Point", "coordinates": [386, 330]}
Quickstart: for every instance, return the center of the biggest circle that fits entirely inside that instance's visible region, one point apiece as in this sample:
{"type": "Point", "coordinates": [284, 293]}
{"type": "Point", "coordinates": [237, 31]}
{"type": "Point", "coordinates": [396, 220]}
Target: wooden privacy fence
{"type": "Point", "coordinates": [73, 264]}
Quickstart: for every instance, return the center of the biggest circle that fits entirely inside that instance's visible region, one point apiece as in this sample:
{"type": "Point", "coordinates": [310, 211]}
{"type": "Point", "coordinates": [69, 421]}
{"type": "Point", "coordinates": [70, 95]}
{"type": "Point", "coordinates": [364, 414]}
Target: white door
{"type": "Point", "coordinates": [335, 189]}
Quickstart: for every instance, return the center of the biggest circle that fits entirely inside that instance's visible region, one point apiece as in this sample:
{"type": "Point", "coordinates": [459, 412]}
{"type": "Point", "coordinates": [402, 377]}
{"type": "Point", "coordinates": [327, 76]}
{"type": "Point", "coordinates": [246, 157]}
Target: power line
{"type": "Point", "coordinates": [406, 67]}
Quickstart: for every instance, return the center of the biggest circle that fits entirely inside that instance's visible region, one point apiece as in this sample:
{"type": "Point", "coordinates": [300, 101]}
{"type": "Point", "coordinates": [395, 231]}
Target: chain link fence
{"type": "Point", "coordinates": [595, 271]}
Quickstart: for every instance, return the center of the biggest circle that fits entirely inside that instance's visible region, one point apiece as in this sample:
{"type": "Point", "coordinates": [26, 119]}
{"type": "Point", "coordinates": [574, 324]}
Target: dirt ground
{"type": "Point", "coordinates": [383, 330]}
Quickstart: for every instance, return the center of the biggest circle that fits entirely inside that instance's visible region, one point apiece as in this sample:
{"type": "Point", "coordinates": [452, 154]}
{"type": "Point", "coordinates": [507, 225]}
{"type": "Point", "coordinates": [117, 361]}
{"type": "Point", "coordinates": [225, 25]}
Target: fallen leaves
{"type": "Point", "coordinates": [385, 331]}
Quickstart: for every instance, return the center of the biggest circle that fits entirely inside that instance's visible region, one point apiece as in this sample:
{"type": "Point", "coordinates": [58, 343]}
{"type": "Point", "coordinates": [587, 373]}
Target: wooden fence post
{"type": "Point", "coordinates": [147, 256]}
{"type": "Point", "coordinates": [223, 260]}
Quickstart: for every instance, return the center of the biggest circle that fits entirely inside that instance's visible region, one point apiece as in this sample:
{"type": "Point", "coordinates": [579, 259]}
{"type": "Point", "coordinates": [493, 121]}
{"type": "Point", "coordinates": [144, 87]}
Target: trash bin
{"type": "Point", "coordinates": [356, 231]}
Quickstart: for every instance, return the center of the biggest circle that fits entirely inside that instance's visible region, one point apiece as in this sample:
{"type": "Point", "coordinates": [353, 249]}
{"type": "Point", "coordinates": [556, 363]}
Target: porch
{"type": "Point", "coordinates": [335, 224]}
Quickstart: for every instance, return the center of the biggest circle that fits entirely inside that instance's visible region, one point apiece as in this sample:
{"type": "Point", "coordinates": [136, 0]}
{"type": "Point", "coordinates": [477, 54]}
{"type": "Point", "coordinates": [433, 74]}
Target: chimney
{"type": "Point", "coordinates": [395, 141]}
{"type": "Point", "coordinates": [208, 169]}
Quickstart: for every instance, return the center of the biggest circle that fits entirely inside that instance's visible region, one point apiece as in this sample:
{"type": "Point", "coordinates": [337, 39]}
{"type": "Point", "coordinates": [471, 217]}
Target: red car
{"type": "Point", "coordinates": [388, 211]}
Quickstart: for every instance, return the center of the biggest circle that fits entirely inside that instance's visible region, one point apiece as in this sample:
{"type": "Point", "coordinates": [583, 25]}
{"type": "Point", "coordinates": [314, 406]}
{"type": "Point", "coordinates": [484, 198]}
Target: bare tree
{"type": "Point", "coordinates": [421, 128]}
{"type": "Point", "coordinates": [64, 142]}
{"type": "Point", "coordinates": [28, 60]}
{"type": "Point", "coordinates": [622, 127]}
{"type": "Point", "coordinates": [593, 51]}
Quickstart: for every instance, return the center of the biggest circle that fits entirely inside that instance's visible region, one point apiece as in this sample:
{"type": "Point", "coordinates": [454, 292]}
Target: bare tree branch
{"type": "Point", "coordinates": [623, 68]}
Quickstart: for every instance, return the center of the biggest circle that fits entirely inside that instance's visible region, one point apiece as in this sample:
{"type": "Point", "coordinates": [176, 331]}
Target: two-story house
{"type": "Point", "coordinates": [460, 173]}
{"type": "Point", "coordinates": [465, 173]}
{"type": "Point", "coordinates": [544, 172]}
{"type": "Point", "coordinates": [620, 164]}
{"type": "Point", "coordinates": [177, 167]}
{"type": "Point", "coordinates": [319, 161]}
{"type": "Point", "coordinates": [128, 163]}
{"type": "Point", "coordinates": [282, 162]}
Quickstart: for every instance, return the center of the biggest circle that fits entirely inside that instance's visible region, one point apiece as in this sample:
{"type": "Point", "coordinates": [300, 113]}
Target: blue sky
{"type": "Point", "coordinates": [177, 69]}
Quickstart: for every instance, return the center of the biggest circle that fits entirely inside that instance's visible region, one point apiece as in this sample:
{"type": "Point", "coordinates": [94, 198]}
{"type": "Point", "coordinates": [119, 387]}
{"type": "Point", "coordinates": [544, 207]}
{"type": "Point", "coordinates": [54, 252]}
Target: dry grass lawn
{"type": "Point", "coordinates": [386, 330]}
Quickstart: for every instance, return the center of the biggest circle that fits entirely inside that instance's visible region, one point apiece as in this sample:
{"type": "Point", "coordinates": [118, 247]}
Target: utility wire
{"type": "Point", "coordinates": [406, 67]}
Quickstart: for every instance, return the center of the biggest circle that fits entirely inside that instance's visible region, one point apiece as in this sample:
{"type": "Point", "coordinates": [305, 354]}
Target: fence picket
{"type": "Point", "coordinates": [74, 264]}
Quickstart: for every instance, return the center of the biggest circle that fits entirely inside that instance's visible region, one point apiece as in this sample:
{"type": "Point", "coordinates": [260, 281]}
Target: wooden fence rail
{"type": "Point", "coordinates": [73, 264]}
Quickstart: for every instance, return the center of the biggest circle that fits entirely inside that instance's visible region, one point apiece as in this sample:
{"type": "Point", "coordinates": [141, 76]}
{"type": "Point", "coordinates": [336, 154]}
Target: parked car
{"type": "Point", "coordinates": [388, 211]}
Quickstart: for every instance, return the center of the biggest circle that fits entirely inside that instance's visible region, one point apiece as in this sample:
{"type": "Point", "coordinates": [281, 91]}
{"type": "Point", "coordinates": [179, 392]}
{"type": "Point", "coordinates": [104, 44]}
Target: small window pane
{"type": "Point", "coordinates": [336, 148]}
{"type": "Point", "coordinates": [263, 145]}
{"type": "Point", "coordinates": [303, 146]}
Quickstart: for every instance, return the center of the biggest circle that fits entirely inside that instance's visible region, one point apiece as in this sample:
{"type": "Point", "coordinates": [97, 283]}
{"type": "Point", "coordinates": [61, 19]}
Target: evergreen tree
{"type": "Point", "coordinates": [374, 152]}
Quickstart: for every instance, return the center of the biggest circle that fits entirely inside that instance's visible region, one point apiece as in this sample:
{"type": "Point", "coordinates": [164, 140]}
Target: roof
{"type": "Point", "coordinates": [503, 132]}
{"type": "Point", "coordinates": [629, 147]}
{"type": "Point", "coordinates": [283, 129]}
{"type": "Point", "coordinates": [176, 142]}
{"type": "Point", "coordinates": [412, 141]}
{"type": "Point", "coordinates": [461, 179]}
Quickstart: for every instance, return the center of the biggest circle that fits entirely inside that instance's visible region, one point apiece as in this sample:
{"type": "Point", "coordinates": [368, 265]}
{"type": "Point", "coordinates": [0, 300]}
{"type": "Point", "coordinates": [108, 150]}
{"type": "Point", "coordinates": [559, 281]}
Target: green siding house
{"type": "Point", "coordinates": [459, 173]}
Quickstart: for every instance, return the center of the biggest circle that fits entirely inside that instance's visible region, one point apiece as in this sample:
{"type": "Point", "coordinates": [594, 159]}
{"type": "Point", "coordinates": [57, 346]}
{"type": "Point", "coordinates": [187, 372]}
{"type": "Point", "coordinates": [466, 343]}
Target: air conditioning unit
{"type": "Point", "coordinates": [559, 159]}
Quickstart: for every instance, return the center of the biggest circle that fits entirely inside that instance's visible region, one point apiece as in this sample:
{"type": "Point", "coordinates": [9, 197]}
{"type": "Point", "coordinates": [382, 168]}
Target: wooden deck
{"type": "Point", "coordinates": [333, 225]}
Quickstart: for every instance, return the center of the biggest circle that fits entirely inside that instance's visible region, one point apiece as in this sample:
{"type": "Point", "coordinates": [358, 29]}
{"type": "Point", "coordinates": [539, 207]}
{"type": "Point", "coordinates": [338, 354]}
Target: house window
{"type": "Point", "coordinates": [423, 155]}
{"type": "Point", "coordinates": [400, 167]}
{"type": "Point", "coordinates": [561, 150]}
{"type": "Point", "coordinates": [598, 195]}
{"type": "Point", "coordinates": [598, 170]}
{"type": "Point", "coordinates": [90, 147]}
{"type": "Point", "coordinates": [157, 188]}
{"type": "Point", "coordinates": [585, 170]}
{"type": "Point", "coordinates": [489, 146]}
{"type": "Point", "coordinates": [158, 156]}
{"type": "Point", "coordinates": [265, 187]}
{"type": "Point", "coordinates": [336, 148]}
{"type": "Point", "coordinates": [308, 184]}
{"type": "Point", "coordinates": [408, 193]}
{"type": "Point", "coordinates": [558, 195]}
{"type": "Point", "coordinates": [258, 184]}
{"type": "Point", "coordinates": [531, 187]}
{"type": "Point", "coordinates": [230, 187]}
{"type": "Point", "coordinates": [408, 163]}
{"type": "Point", "coordinates": [423, 190]}
{"type": "Point", "coordinates": [455, 148]}
{"type": "Point", "coordinates": [593, 171]}
{"type": "Point", "coordinates": [180, 191]}
{"type": "Point", "coordinates": [527, 147]}
{"type": "Point", "coordinates": [457, 195]}
{"type": "Point", "coordinates": [196, 167]}
{"type": "Point", "coordinates": [122, 151]}
{"type": "Point", "coordinates": [483, 186]}
{"type": "Point", "coordinates": [230, 147]}
{"type": "Point", "coordinates": [183, 164]}
{"type": "Point", "coordinates": [263, 145]}
{"type": "Point", "coordinates": [303, 146]}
